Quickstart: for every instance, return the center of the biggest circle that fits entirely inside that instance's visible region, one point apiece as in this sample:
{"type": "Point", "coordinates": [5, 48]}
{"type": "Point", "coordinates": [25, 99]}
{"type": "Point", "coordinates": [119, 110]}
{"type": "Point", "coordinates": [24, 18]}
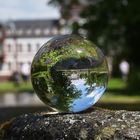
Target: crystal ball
{"type": "Point", "coordinates": [69, 73]}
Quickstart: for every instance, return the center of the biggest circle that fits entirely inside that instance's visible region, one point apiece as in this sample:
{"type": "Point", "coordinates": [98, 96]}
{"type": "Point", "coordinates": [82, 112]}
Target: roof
{"type": "Point", "coordinates": [36, 23]}
{"type": "Point", "coordinates": [32, 28]}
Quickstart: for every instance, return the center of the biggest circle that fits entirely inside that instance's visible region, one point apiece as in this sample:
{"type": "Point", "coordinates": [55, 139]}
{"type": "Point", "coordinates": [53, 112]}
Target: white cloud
{"type": "Point", "coordinates": [27, 9]}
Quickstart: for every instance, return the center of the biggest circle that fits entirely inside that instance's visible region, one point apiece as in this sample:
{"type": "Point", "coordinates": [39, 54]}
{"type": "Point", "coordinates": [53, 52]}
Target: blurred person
{"type": "Point", "coordinates": [16, 78]}
{"type": "Point", "coordinates": [124, 68]}
{"type": "Point", "coordinates": [25, 72]}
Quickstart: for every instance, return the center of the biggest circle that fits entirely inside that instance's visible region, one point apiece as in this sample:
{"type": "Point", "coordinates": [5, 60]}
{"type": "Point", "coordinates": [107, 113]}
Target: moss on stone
{"type": "Point", "coordinates": [99, 124]}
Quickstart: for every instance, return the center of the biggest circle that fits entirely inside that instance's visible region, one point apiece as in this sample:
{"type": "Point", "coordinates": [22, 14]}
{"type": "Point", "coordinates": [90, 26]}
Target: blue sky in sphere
{"type": "Point", "coordinates": [86, 99]}
{"type": "Point", "coordinates": [27, 9]}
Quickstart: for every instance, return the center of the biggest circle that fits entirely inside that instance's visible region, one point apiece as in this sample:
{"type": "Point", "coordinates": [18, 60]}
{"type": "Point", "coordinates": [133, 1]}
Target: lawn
{"type": "Point", "coordinates": [115, 92]}
{"type": "Point", "coordinates": [116, 83]}
{"type": "Point", "coordinates": [108, 97]}
{"type": "Point", "coordinates": [11, 87]}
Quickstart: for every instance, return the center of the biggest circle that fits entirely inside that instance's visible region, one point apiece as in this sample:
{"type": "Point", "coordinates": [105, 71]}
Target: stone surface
{"type": "Point", "coordinates": [98, 124]}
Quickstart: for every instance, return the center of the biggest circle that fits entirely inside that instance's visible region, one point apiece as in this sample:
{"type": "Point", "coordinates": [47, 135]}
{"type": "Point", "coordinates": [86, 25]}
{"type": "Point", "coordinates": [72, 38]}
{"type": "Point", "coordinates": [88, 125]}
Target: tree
{"type": "Point", "coordinates": [110, 24]}
{"type": "Point", "coordinates": [114, 26]}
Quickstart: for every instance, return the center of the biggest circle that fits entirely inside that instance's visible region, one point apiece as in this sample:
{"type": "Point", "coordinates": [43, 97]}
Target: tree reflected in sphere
{"type": "Point", "coordinates": [69, 73]}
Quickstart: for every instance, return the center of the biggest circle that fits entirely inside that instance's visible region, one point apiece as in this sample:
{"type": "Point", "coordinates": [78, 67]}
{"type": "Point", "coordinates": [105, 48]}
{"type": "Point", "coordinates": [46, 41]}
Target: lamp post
{"type": "Point", "coordinates": [2, 37]}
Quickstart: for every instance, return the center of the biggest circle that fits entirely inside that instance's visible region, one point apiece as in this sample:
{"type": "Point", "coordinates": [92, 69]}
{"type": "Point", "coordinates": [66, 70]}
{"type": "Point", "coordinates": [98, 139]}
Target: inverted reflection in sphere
{"type": "Point", "coordinates": [69, 73]}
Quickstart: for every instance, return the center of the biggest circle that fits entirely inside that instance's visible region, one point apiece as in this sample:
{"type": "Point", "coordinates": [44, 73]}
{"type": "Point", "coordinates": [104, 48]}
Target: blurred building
{"type": "Point", "coordinates": [23, 39]}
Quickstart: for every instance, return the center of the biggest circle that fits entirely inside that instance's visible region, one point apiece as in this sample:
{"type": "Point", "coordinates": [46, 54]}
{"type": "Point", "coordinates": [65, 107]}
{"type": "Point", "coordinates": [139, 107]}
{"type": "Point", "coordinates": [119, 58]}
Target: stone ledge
{"type": "Point", "coordinates": [96, 125]}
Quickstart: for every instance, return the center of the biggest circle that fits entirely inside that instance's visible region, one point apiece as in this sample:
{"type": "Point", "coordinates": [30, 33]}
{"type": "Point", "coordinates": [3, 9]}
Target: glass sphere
{"type": "Point", "coordinates": [69, 73]}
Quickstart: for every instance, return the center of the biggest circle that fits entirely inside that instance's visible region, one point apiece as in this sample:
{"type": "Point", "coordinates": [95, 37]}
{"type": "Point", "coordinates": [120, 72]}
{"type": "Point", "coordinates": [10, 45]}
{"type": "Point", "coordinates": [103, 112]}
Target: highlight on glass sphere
{"type": "Point", "coordinates": [69, 73]}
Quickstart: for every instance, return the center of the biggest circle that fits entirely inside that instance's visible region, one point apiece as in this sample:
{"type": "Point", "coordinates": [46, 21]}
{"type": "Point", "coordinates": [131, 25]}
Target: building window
{"type": "Point", "coordinates": [20, 64]}
{"type": "Point", "coordinates": [29, 32]}
{"type": "Point", "coordinates": [29, 47]}
{"type": "Point", "coordinates": [8, 32]}
{"type": "Point", "coordinates": [20, 31]}
{"type": "Point", "coordinates": [38, 31]}
{"type": "Point", "coordinates": [54, 31]}
{"type": "Point", "coordinates": [9, 47]}
{"type": "Point", "coordinates": [46, 31]}
{"type": "Point", "coordinates": [20, 47]}
{"type": "Point", "coordinates": [9, 66]}
{"type": "Point", "coordinates": [37, 46]}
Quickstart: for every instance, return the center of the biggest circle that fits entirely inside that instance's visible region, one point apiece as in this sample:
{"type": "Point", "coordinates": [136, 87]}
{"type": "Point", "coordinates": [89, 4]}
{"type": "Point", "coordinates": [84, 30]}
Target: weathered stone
{"type": "Point", "coordinates": [96, 125]}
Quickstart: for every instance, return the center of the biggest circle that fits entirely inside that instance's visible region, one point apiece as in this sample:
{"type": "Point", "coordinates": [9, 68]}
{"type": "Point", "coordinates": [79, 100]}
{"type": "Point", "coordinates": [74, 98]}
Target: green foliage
{"type": "Point", "coordinates": [104, 23]}
{"type": "Point", "coordinates": [112, 24]}
{"type": "Point", "coordinates": [65, 92]}
{"type": "Point", "coordinates": [134, 81]}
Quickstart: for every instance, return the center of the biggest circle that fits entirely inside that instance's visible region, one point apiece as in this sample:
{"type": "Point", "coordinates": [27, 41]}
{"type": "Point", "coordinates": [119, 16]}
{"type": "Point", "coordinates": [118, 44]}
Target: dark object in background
{"type": "Point", "coordinates": [15, 78]}
{"type": "Point", "coordinates": [1, 61]}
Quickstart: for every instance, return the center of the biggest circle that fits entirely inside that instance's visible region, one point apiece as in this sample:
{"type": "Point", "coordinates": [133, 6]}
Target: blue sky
{"type": "Point", "coordinates": [27, 9]}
